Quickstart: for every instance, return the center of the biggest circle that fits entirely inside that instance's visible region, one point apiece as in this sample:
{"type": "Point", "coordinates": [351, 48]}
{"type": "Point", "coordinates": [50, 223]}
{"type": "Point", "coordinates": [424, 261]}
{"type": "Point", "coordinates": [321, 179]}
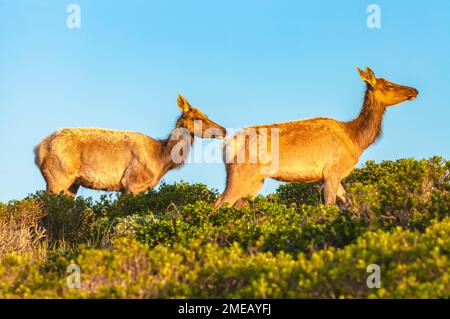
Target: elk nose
{"type": "Point", "coordinates": [414, 94]}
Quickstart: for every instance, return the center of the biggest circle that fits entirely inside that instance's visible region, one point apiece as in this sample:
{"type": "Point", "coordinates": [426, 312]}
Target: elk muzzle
{"type": "Point", "coordinates": [413, 94]}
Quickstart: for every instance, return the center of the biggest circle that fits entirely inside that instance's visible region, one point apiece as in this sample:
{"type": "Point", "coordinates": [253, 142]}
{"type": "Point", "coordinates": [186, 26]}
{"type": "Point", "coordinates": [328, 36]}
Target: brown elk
{"type": "Point", "coordinates": [121, 161]}
{"type": "Point", "coordinates": [315, 149]}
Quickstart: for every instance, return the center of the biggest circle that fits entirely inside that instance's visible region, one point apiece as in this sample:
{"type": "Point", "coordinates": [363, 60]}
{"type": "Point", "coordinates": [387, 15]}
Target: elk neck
{"type": "Point", "coordinates": [367, 127]}
{"type": "Point", "coordinates": [175, 139]}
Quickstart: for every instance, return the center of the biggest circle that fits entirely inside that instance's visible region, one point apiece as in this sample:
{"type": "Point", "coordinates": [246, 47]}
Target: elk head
{"type": "Point", "coordinates": [197, 123]}
{"type": "Point", "coordinates": [385, 92]}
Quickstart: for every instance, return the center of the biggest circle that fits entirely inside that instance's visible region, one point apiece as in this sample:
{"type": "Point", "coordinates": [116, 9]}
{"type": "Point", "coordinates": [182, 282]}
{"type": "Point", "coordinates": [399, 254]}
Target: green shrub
{"type": "Point", "coordinates": [170, 242]}
{"type": "Point", "coordinates": [406, 193]}
{"type": "Point", "coordinates": [413, 265]}
{"type": "Point", "coordinates": [20, 227]}
{"type": "Point", "coordinates": [66, 219]}
{"type": "Point", "coordinates": [167, 198]}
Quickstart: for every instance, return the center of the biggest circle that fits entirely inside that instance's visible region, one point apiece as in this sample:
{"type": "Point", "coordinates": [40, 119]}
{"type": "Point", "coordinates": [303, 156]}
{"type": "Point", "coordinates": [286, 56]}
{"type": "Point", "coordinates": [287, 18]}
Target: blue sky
{"type": "Point", "coordinates": [241, 62]}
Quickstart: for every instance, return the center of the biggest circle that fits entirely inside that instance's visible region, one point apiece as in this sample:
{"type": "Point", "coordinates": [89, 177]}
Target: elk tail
{"type": "Point", "coordinates": [40, 152]}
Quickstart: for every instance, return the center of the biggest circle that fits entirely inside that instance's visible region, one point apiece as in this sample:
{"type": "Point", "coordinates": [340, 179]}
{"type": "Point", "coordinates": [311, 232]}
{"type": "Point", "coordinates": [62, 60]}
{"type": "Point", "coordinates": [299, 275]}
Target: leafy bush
{"type": "Point", "coordinates": [167, 198]}
{"type": "Point", "coordinates": [276, 226]}
{"type": "Point", "coordinates": [66, 218]}
{"type": "Point", "coordinates": [20, 228]}
{"type": "Point", "coordinates": [412, 265]}
{"type": "Point", "coordinates": [406, 192]}
{"type": "Point", "coordinates": [170, 242]}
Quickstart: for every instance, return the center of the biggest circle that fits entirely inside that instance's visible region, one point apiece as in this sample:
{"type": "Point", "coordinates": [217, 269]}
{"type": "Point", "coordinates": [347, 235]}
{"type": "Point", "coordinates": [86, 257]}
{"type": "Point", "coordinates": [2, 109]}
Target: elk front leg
{"type": "Point", "coordinates": [331, 190]}
{"type": "Point", "coordinates": [137, 179]}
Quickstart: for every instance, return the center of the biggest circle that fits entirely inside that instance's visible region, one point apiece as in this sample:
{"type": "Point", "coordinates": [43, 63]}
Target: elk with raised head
{"type": "Point", "coordinates": [121, 161]}
{"type": "Point", "coordinates": [315, 149]}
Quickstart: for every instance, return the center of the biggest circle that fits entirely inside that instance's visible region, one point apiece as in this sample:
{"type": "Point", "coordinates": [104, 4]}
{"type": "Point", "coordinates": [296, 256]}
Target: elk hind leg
{"type": "Point", "coordinates": [57, 180]}
{"type": "Point", "coordinates": [60, 185]}
{"type": "Point", "coordinates": [342, 195]}
{"type": "Point", "coordinates": [73, 189]}
{"type": "Point", "coordinates": [235, 193]}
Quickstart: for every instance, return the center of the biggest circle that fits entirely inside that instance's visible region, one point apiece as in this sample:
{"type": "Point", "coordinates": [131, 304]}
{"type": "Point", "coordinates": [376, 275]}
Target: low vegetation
{"type": "Point", "coordinates": [171, 242]}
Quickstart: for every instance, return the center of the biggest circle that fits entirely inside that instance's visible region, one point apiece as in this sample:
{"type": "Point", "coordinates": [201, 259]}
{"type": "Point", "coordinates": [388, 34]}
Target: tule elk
{"type": "Point", "coordinates": [121, 161]}
{"type": "Point", "coordinates": [314, 149]}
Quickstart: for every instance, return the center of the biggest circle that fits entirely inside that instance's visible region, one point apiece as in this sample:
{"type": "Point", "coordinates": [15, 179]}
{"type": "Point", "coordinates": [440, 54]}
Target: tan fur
{"type": "Point", "coordinates": [317, 149]}
{"type": "Point", "coordinates": [111, 160]}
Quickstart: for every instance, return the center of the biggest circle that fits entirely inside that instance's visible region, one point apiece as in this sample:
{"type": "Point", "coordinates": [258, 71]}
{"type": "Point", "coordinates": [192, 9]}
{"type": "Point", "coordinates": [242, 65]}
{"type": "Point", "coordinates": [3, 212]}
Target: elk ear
{"type": "Point", "coordinates": [373, 78]}
{"type": "Point", "coordinates": [361, 73]}
{"type": "Point", "coordinates": [368, 76]}
{"type": "Point", "coordinates": [183, 104]}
